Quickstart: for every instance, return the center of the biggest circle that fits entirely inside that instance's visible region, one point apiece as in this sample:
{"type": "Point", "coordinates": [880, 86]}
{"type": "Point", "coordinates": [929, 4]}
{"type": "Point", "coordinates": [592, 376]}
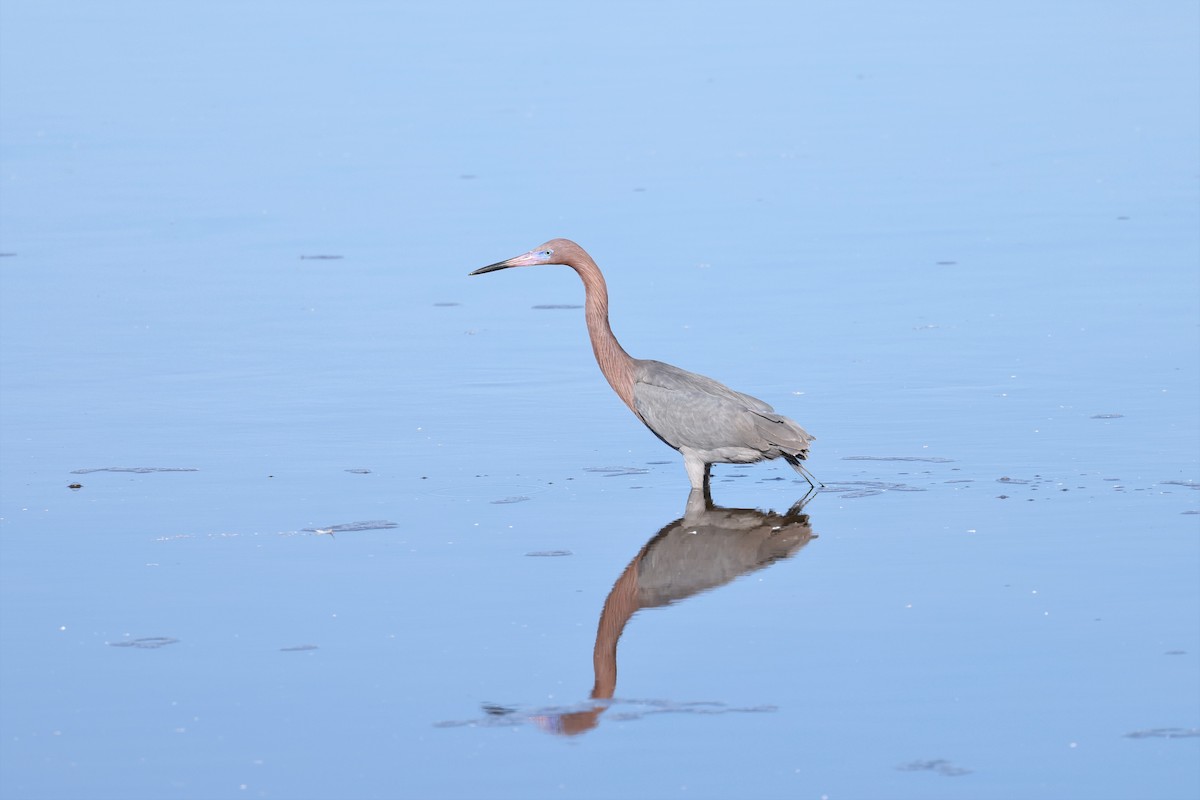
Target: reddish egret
{"type": "Point", "coordinates": [706, 421]}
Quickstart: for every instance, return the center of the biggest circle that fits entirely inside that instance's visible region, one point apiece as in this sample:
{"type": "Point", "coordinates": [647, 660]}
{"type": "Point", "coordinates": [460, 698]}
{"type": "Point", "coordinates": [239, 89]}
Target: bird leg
{"type": "Point", "coordinates": [697, 472]}
{"type": "Point", "coordinates": [796, 465]}
{"type": "Point", "coordinates": [808, 476]}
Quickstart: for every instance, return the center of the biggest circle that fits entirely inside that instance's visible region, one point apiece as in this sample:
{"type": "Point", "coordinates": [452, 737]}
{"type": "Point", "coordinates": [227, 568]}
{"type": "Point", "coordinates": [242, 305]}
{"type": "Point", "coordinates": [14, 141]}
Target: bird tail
{"type": "Point", "coordinates": [792, 442]}
{"type": "Point", "coordinates": [784, 434]}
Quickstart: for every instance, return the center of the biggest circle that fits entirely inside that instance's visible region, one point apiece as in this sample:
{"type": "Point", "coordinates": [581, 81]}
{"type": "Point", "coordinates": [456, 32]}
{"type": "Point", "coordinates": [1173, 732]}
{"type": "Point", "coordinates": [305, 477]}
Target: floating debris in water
{"type": "Point", "coordinates": [517, 498]}
{"type": "Point", "coordinates": [552, 719]}
{"type": "Point", "coordinates": [855, 489]}
{"type": "Point", "coordinates": [549, 553]}
{"type": "Point", "coordinates": [348, 527]}
{"type": "Point", "coordinates": [1164, 733]}
{"type": "Point", "coordinates": [138, 470]}
{"type": "Point", "coordinates": [1184, 484]}
{"type": "Point", "coordinates": [75, 486]}
{"type": "Point", "coordinates": [612, 472]}
{"type": "Point", "coordinates": [298, 648]}
{"type": "Point", "coordinates": [359, 471]}
{"type": "Point", "coordinates": [1107, 416]}
{"type": "Point", "coordinates": [1007, 479]}
{"type": "Point", "coordinates": [497, 711]}
{"type": "Point", "coordinates": [145, 643]}
{"type": "Point", "coordinates": [929, 459]}
{"type": "Point", "coordinates": [939, 765]}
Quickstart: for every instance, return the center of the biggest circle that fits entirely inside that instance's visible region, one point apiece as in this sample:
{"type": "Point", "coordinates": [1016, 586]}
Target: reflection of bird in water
{"type": "Point", "coordinates": [706, 548]}
{"type": "Point", "coordinates": [706, 421]}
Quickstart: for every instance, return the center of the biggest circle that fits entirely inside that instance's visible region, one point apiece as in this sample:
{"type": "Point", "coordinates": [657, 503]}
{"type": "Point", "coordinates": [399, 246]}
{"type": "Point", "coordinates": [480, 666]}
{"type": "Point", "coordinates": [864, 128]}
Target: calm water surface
{"type": "Point", "coordinates": [292, 508]}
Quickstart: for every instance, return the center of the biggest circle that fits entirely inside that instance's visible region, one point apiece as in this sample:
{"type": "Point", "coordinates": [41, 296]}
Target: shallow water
{"type": "Point", "coordinates": [292, 508]}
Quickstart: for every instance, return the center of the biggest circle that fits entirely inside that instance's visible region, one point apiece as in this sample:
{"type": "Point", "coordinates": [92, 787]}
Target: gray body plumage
{"type": "Point", "coordinates": [710, 423]}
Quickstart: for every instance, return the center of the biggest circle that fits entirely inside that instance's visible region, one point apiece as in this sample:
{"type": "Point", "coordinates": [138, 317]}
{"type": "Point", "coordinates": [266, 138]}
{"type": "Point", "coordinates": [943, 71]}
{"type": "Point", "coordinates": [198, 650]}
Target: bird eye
{"type": "Point", "coordinates": [547, 252]}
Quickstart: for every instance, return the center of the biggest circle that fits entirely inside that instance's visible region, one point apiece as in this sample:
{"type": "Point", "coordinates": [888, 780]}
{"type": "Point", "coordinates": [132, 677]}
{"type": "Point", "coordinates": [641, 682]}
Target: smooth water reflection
{"type": "Point", "coordinates": [706, 548]}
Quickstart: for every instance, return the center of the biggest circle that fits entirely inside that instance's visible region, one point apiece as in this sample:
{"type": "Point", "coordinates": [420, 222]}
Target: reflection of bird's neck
{"type": "Point", "coordinates": [615, 363]}
{"type": "Point", "coordinates": [621, 604]}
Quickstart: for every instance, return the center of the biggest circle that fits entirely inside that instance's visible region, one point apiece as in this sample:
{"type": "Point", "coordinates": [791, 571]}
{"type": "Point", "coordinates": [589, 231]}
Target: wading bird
{"type": "Point", "coordinates": [706, 421]}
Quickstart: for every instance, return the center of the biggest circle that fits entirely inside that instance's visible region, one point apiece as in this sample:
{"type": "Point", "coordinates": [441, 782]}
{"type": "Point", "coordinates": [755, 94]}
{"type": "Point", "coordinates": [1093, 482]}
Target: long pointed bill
{"type": "Point", "coordinates": [524, 260]}
{"type": "Point", "coordinates": [491, 268]}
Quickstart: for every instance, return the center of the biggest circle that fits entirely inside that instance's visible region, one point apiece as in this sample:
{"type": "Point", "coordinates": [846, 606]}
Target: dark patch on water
{"type": "Point", "coordinates": [1184, 484]}
{"type": "Point", "coordinates": [359, 471]}
{"type": "Point", "coordinates": [549, 553]}
{"type": "Point", "coordinates": [75, 486]}
{"type": "Point", "coordinates": [138, 470]}
{"type": "Point", "coordinates": [929, 459]}
{"type": "Point", "coordinates": [939, 765]}
{"type": "Point", "coordinates": [1164, 733]}
{"type": "Point", "coordinates": [298, 648]}
{"type": "Point", "coordinates": [517, 498]}
{"type": "Point", "coordinates": [145, 643]}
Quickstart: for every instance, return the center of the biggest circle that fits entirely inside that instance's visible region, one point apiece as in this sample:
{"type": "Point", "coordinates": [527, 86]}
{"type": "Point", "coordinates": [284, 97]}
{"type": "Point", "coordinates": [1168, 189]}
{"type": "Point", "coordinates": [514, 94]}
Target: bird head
{"type": "Point", "coordinates": [555, 251]}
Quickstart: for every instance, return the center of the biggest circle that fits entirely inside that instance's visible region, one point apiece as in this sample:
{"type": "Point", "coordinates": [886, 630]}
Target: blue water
{"type": "Point", "coordinates": [383, 512]}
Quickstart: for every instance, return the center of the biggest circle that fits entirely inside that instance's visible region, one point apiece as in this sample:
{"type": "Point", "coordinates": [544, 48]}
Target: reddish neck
{"type": "Point", "coordinates": [615, 363]}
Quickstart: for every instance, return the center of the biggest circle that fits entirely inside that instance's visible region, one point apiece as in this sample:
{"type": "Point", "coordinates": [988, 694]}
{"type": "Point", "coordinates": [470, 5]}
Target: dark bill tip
{"type": "Point", "coordinates": [490, 268]}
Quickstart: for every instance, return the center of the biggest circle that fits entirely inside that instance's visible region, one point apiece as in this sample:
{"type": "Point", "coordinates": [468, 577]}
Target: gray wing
{"type": "Point", "coordinates": [690, 410]}
{"type": "Point", "coordinates": [666, 376]}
